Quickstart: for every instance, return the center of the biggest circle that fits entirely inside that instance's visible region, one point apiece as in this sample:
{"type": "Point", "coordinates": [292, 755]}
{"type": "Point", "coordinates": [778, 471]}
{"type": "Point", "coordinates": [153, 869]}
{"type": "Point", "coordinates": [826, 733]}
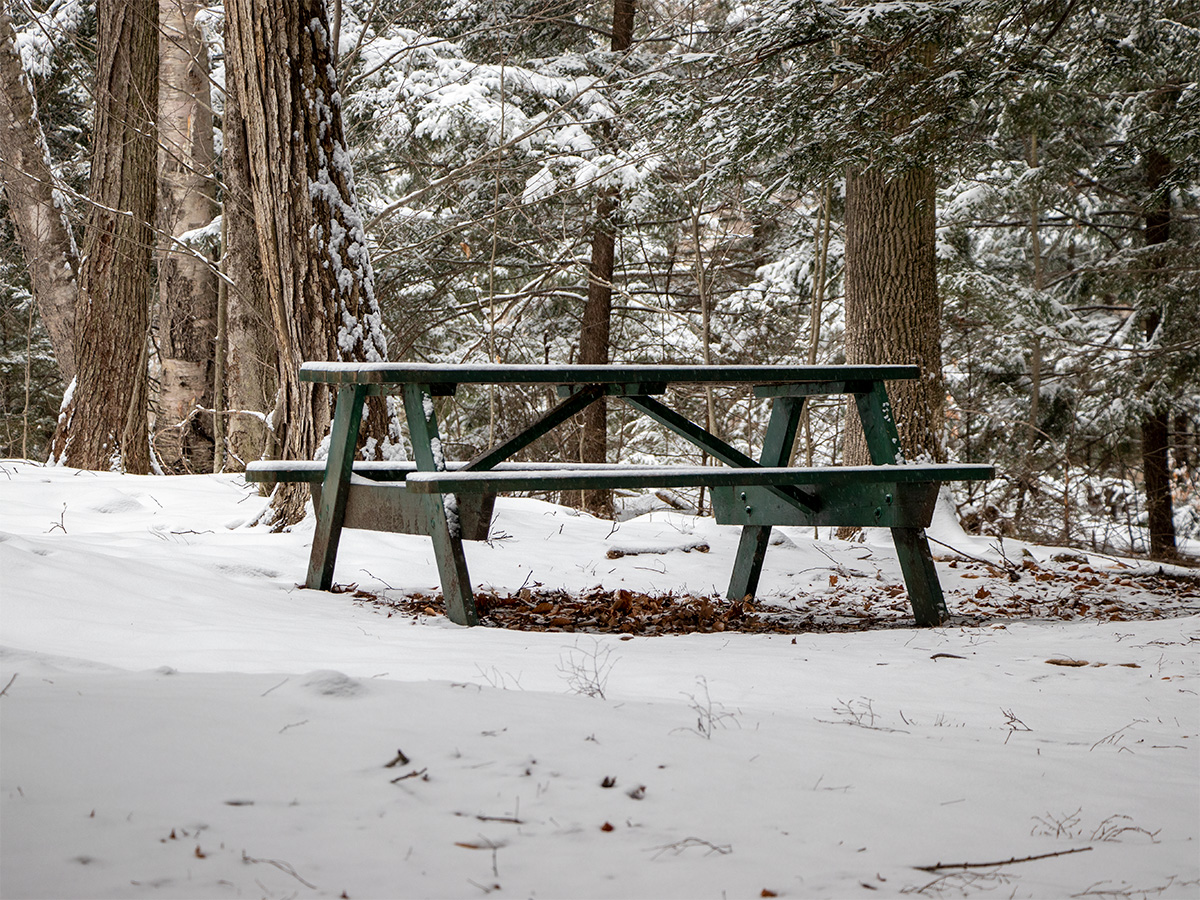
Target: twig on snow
{"type": "Point", "coordinates": [281, 866]}
{"type": "Point", "coordinates": [1003, 862]}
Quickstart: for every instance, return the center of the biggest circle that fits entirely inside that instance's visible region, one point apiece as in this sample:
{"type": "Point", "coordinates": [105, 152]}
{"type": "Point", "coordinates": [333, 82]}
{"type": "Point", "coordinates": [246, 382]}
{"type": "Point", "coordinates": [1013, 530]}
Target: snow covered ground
{"type": "Point", "coordinates": [178, 719]}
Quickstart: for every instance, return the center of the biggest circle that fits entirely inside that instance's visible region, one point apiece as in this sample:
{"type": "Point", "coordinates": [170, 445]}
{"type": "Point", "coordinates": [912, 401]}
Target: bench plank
{"type": "Point", "coordinates": [450, 482]}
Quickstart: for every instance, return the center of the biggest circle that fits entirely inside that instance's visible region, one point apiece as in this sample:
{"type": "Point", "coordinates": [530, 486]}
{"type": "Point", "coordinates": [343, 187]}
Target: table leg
{"type": "Point", "coordinates": [776, 451]}
{"type": "Point", "coordinates": [442, 509]}
{"type": "Point", "coordinates": [912, 546]}
{"type": "Point", "coordinates": [331, 510]}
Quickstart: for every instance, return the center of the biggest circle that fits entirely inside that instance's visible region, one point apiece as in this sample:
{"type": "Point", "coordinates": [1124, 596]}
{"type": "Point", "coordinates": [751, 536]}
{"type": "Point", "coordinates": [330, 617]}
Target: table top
{"type": "Point", "coordinates": [429, 373]}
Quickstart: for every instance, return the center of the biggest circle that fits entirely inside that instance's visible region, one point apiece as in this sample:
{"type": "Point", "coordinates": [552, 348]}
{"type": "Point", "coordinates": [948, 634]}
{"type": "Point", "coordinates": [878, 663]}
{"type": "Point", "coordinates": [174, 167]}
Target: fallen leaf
{"type": "Point", "coordinates": [607, 826]}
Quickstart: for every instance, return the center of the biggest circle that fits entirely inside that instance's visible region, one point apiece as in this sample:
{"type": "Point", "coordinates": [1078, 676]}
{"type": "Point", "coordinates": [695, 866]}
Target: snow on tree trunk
{"type": "Point", "coordinates": [187, 285]}
{"type": "Point", "coordinates": [893, 313]}
{"type": "Point", "coordinates": [317, 275]}
{"type": "Point", "coordinates": [34, 205]}
{"type": "Point", "coordinates": [103, 424]}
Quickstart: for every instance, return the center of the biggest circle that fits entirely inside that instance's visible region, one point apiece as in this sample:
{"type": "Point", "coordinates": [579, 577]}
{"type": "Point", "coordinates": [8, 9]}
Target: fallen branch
{"type": "Point", "coordinates": [10, 684]}
{"type": "Point", "coordinates": [1003, 862]}
{"type": "Point", "coordinates": [415, 773]}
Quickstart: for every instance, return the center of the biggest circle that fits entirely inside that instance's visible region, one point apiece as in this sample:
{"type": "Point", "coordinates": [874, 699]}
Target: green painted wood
{"type": "Point", "coordinates": [778, 441]}
{"type": "Point", "coordinates": [622, 389]}
{"type": "Point", "coordinates": [606, 477]}
{"type": "Point", "coordinates": [812, 388]}
{"type": "Point", "coordinates": [912, 546]}
{"type": "Point", "coordinates": [335, 487]}
{"type": "Point", "coordinates": [313, 471]}
{"type": "Point", "coordinates": [883, 504]}
{"type": "Point", "coordinates": [445, 528]}
{"type": "Point", "coordinates": [390, 507]}
{"type": "Point", "coordinates": [709, 443]}
{"type": "Point", "coordinates": [879, 425]}
{"type": "Point", "coordinates": [433, 375]}
{"type": "Point", "coordinates": [573, 404]}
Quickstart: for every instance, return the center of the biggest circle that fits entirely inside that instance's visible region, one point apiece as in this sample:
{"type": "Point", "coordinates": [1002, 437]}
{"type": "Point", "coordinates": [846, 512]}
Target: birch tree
{"type": "Point", "coordinates": [34, 203]}
{"type": "Point", "coordinates": [187, 282]}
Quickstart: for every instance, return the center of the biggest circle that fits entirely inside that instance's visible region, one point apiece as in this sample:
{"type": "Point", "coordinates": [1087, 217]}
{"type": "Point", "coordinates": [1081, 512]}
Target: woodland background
{"type": "Point", "coordinates": [197, 198]}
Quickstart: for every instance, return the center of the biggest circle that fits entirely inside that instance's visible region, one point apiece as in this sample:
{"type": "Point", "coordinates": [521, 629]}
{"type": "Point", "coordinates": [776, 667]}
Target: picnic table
{"type": "Point", "coordinates": [452, 501]}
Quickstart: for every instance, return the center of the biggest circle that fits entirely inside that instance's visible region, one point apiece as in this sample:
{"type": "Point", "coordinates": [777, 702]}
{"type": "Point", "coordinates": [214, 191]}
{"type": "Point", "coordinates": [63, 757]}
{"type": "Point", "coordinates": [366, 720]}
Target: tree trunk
{"type": "Point", "coordinates": [1156, 466]}
{"type": "Point", "coordinates": [34, 206]}
{"type": "Point", "coordinates": [318, 280]}
{"type": "Point", "coordinates": [593, 347]}
{"type": "Point", "coordinates": [187, 285]}
{"type": "Point", "coordinates": [103, 424]}
{"type": "Point", "coordinates": [594, 336]}
{"type": "Point", "coordinates": [251, 360]}
{"type": "Point", "coordinates": [893, 313]}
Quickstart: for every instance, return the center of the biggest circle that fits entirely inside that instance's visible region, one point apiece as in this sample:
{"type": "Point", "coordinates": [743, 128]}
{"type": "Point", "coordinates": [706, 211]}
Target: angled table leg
{"type": "Point", "coordinates": [441, 509]}
{"type": "Point", "coordinates": [776, 451]}
{"type": "Point", "coordinates": [912, 546]}
{"type": "Point", "coordinates": [331, 510]}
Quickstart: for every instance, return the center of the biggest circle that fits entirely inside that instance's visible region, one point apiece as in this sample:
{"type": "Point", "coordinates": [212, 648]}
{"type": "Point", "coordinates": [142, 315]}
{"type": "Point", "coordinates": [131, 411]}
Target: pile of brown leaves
{"type": "Point", "coordinates": [1030, 592]}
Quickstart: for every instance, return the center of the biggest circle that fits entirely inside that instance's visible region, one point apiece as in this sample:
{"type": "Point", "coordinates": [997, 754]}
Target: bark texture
{"type": "Point", "coordinates": [1156, 466]}
{"type": "Point", "coordinates": [317, 277]}
{"type": "Point", "coordinates": [893, 312]}
{"type": "Point", "coordinates": [594, 340]}
{"type": "Point", "coordinates": [35, 207]}
{"type": "Point", "coordinates": [187, 284]}
{"type": "Point", "coordinates": [103, 424]}
{"type": "Point", "coordinates": [251, 360]}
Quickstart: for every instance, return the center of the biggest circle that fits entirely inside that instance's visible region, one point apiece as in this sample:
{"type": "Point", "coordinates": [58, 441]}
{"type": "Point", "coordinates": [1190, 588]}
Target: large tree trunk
{"type": "Point", "coordinates": [594, 336]}
{"type": "Point", "coordinates": [103, 424]}
{"type": "Point", "coordinates": [317, 276]}
{"type": "Point", "coordinates": [893, 313]}
{"type": "Point", "coordinates": [35, 208]}
{"type": "Point", "coordinates": [1156, 466]}
{"type": "Point", "coordinates": [251, 359]}
{"type": "Point", "coordinates": [187, 284]}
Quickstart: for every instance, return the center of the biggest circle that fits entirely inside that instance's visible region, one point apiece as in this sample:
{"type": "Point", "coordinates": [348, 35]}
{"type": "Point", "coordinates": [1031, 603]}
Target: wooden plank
{"type": "Point", "coordinates": [336, 485]}
{"type": "Point", "coordinates": [688, 476]}
{"type": "Point", "coordinates": [433, 375]}
{"type": "Point", "coordinates": [313, 471]}
{"type": "Point", "coordinates": [912, 546]}
{"type": "Point", "coordinates": [811, 388]}
{"type": "Point", "coordinates": [752, 545]}
{"type": "Point", "coordinates": [390, 507]}
{"type": "Point", "coordinates": [885, 504]}
{"type": "Point", "coordinates": [444, 526]}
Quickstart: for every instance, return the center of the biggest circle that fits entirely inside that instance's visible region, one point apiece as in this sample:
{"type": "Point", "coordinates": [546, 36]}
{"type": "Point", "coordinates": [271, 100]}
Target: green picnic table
{"type": "Point", "coordinates": [452, 501]}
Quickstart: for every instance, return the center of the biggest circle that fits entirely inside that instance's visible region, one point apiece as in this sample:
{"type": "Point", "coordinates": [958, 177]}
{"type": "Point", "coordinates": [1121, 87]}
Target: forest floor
{"type": "Point", "coordinates": [180, 720]}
